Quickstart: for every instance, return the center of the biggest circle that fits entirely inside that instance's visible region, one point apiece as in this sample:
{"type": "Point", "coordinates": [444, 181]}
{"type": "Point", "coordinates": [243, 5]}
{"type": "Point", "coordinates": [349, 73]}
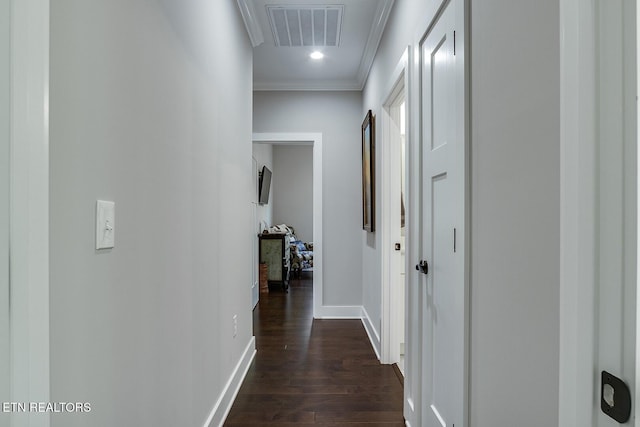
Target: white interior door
{"type": "Point", "coordinates": [400, 208]}
{"type": "Point", "coordinates": [395, 217]}
{"type": "Point", "coordinates": [443, 202]}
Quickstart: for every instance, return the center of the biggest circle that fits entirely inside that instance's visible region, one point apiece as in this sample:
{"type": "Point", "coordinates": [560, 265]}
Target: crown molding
{"type": "Point", "coordinates": [251, 22]}
{"type": "Point", "coordinates": [375, 35]}
{"type": "Point", "coordinates": [357, 83]}
{"type": "Point", "coordinates": [312, 85]}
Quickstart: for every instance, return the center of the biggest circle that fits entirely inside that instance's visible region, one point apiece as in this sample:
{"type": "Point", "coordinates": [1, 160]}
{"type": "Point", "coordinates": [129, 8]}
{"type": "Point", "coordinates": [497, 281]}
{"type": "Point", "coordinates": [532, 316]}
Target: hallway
{"type": "Point", "coordinates": [313, 372]}
{"type": "Point", "coordinates": [152, 107]}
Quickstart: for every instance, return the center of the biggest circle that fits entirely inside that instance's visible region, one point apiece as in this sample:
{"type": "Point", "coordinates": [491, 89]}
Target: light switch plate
{"type": "Point", "coordinates": [105, 224]}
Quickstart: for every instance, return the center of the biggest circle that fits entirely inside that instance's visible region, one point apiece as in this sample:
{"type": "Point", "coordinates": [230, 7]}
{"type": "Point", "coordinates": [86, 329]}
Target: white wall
{"type": "Point", "coordinates": [5, 55]}
{"type": "Point", "coordinates": [515, 217]}
{"type": "Point", "coordinates": [144, 113]}
{"type": "Point", "coordinates": [399, 33]}
{"type": "Point", "coordinates": [293, 179]}
{"type": "Point", "coordinates": [514, 203]}
{"type": "Point", "coordinates": [337, 115]}
{"type": "Point", "coordinates": [263, 153]}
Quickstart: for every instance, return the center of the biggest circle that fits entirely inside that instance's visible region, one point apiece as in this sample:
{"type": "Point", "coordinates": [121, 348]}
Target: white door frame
{"type": "Point", "coordinates": [577, 211]}
{"type": "Point", "coordinates": [29, 207]}
{"type": "Point", "coordinates": [255, 272]}
{"type": "Point", "coordinates": [579, 204]}
{"type": "Point", "coordinates": [314, 139]}
{"type": "Point", "coordinates": [398, 83]}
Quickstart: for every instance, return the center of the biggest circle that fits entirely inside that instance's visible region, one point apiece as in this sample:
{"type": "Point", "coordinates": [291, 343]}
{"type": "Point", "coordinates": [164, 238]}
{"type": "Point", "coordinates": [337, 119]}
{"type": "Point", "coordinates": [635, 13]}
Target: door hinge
{"type": "Point", "coordinates": [454, 43]}
{"type": "Point", "coordinates": [454, 240]}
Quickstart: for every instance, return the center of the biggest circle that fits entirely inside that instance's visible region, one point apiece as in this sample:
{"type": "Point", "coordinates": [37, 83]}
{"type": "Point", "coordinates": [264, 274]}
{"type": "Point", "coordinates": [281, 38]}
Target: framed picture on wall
{"type": "Point", "coordinates": [368, 173]}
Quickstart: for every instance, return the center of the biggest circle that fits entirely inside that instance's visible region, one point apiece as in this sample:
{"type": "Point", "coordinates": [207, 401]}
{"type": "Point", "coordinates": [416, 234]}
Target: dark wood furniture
{"type": "Point", "coordinates": [274, 251]}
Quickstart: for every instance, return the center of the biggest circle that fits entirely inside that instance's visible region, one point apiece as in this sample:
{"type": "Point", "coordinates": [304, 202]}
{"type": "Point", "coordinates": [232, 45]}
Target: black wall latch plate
{"type": "Point", "coordinates": [615, 397]}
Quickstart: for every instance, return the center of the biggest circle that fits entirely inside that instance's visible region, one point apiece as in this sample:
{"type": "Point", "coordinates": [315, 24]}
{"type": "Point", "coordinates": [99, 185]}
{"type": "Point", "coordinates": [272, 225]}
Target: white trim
{"type": "Point", "coordinates": [577, 212]}
{"type": "Point", "coordinates": [287, 138]}
{"type": "Point", "coordinates": [336, 311]}
{"type": "Point", "coordinates": [373, 335]}
{"type": "Point", "coordinates": [373, 41]}
{"type": "Point", "coordinates": [251, 22]}
{"type": "Point", "coordinates": [29, 207]}
{"type": "Point", "coordinates": [412, 408]}
{"type": "Point", "coordinates": [636, 402]}
{"type": "Point", "coordinates": [463, 22]}
{"type": "Point", "coordinates": [221, 409]}
{"type": "Point", "coordinates": [311, 85]}
{"type": "Point", "coordinates": [398, 83]}
{"type": "Point", "coordinates": [255, 230]}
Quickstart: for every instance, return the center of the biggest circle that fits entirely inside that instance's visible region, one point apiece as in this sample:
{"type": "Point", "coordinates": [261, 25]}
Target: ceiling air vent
{"type": "Point", "coordinates": [306, 25]}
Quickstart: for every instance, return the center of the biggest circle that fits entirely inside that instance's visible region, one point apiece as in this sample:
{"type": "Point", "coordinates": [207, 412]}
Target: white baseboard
{"type": "Point", "coordinates": [339, 312]}
{"type": "Point", "coordinates": [222, 407]}
{"type": "Point", "coordinates": [374, 337]}
{"type": "Point", "coordinates": [352, 312]}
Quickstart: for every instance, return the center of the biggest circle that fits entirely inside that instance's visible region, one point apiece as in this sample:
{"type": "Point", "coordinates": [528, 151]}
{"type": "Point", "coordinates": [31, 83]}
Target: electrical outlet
{"type": "Point", "coordinates": [235, 325]}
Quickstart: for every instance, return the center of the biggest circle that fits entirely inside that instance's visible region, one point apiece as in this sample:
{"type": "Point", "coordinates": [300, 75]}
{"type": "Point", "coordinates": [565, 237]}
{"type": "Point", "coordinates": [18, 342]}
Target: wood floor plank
{"type": "Point", "coordinates": [320, 373]}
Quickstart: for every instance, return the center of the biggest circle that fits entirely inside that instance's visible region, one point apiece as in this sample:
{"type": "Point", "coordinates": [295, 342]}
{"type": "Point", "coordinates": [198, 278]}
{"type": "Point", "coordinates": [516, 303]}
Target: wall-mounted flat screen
{"type": "Point", "coordinates": [265, 186]}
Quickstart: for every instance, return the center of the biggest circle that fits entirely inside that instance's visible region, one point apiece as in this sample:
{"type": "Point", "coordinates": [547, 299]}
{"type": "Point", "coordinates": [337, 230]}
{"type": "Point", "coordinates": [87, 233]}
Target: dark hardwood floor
{"type": "Point", "coordinates": [313, 372]}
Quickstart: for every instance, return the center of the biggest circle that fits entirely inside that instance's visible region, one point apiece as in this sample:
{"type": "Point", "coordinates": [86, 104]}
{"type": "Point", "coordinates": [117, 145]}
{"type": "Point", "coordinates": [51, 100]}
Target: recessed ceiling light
{"type": "Point", "coordinates": [316, 55]}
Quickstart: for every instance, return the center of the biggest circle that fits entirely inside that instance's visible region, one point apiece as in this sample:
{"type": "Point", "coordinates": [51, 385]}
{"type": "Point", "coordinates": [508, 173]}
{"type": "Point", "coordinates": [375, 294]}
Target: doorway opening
{"type": "Point", "coordinates": [394, 230]}
{"type": "Point", "coordinates": [293, 155]}
{"type": "Point", "coordinates": [283, 216]}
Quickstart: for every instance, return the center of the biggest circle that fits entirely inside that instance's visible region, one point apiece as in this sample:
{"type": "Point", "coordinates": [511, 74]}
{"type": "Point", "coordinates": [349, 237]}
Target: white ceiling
{"type": "Point", "coordinates": [344, 67]}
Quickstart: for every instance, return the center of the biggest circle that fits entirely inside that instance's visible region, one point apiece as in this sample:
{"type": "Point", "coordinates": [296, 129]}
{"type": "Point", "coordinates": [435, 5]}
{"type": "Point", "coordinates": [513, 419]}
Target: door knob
{"type": "Point", "coordinates": [423, 267]}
